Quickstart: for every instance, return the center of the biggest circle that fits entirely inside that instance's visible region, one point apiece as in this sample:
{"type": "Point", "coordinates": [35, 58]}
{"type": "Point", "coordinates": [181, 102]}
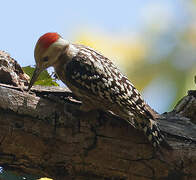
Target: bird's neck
{"type": "Point", "coordinates": [60, 64]}
{"type": "Point", "coordinates": [66, 56]}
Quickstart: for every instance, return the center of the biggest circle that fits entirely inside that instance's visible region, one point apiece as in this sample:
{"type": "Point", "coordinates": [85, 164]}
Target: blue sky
{"type": "Point", "coordinates": [23, 22]}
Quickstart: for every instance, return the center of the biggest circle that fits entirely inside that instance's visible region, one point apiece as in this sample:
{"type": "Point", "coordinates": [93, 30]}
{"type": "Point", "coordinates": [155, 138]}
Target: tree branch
{"type": "Point", "coordinates": [44, 135]}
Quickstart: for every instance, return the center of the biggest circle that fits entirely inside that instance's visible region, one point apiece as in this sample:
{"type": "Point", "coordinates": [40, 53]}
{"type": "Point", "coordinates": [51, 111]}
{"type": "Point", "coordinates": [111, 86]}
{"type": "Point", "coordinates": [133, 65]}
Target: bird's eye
{"type": "Point", "coordinates": [45, 59]}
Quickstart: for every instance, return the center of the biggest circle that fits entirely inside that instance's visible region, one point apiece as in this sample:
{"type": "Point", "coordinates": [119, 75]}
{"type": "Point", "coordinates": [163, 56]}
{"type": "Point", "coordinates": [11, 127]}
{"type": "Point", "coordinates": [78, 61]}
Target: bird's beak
{"type": "Point", "coordinates": [34, 77]}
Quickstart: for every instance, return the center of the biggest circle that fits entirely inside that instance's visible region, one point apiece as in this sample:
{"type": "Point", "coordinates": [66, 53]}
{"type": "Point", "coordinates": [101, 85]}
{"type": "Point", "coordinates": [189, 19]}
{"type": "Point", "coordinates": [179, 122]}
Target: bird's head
{"type": "Point", "coordinates": [47, 50]}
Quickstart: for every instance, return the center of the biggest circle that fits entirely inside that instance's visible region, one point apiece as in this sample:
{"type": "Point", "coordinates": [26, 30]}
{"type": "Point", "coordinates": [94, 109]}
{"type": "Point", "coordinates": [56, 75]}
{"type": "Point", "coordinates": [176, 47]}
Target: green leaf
{"type": "Point", "coordinates": [44, 78]}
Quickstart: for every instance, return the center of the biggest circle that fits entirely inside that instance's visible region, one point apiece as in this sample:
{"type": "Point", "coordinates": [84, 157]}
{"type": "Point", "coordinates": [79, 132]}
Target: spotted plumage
{"type": "Point", "coordinates": [99, 84]}
{"type": "Point", "coordinates": [97, 76]}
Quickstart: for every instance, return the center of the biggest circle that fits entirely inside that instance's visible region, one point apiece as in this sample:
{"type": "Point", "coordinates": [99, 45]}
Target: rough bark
{"type": "Point", "coordinates": [43, 133]}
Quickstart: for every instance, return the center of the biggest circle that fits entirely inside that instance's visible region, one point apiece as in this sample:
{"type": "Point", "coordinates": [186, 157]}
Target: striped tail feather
{"type": "Point", "coordinates": [154, 135]}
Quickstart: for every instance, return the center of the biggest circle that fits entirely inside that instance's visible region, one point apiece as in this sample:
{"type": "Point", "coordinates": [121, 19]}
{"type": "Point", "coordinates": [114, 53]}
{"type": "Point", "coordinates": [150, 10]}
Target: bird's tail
{"type": "Point", "coordinates": [154, 135]}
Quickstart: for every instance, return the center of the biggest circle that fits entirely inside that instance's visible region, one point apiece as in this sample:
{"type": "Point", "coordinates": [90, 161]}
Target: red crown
{"type": "Point", "coordinates": [47, 39]}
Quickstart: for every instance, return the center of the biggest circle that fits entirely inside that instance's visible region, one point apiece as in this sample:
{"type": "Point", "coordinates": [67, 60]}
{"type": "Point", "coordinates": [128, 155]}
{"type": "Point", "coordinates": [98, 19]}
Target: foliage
{"type": "Point", "coordinates": [44, 78]}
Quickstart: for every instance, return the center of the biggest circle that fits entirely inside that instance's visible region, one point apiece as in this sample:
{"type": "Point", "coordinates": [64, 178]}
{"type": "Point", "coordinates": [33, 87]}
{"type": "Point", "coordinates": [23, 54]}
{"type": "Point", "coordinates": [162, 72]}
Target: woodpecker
{"type": "Point", "coordinates": [97, 82]}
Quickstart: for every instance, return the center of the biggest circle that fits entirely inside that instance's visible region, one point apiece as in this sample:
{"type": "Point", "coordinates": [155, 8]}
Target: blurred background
{"type": "Point", "coordinates": [153, 42]}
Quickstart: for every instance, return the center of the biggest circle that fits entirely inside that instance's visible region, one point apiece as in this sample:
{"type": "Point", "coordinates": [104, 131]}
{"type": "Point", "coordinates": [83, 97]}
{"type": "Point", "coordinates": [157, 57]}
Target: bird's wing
{"type": "Point", "coordinates": [97, 75]}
